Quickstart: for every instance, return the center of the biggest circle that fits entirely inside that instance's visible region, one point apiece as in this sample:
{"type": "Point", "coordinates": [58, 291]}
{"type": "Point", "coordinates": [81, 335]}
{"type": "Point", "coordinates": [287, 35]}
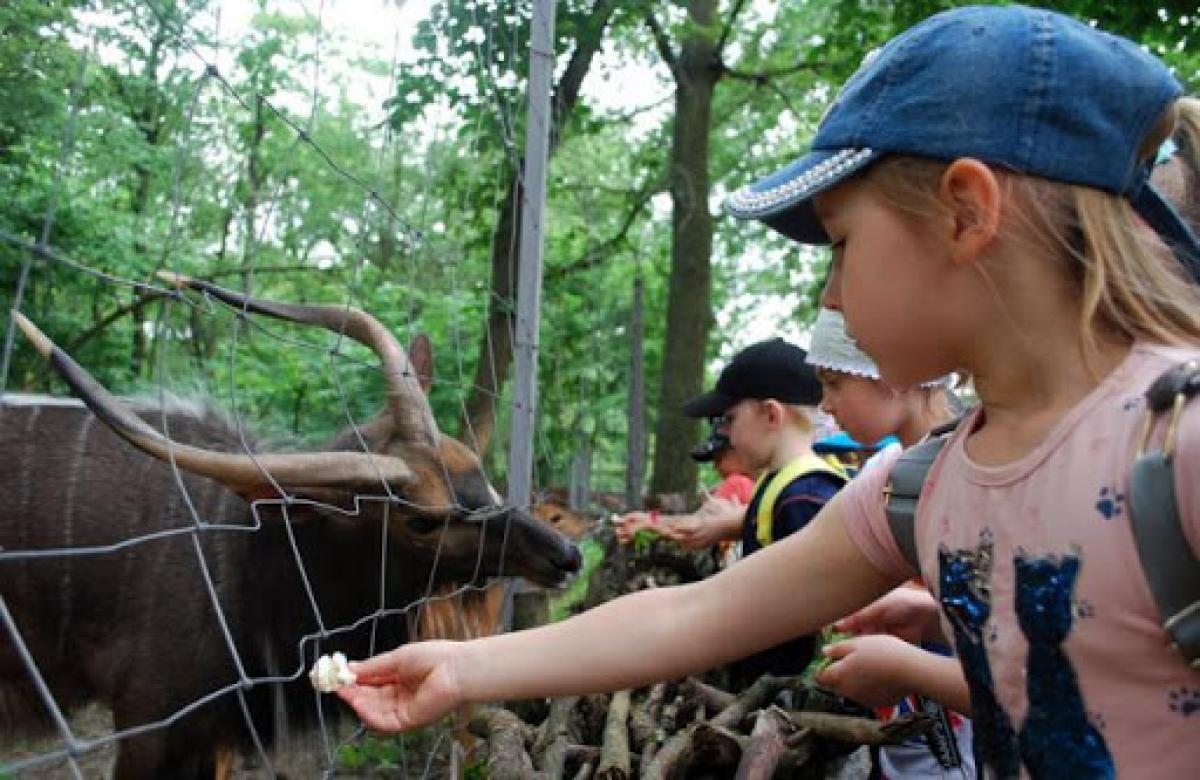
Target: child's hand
{"type": "Point", "coordinates": [718, 519]}
{"type": "Point", "coordinates": [876, 671]}
{"type": "Point", "coordinates": [627, 525]}
{"type": "Point", "coordinates": [908, 612]}
{"type": "Point", "coordinates": [407, 688]}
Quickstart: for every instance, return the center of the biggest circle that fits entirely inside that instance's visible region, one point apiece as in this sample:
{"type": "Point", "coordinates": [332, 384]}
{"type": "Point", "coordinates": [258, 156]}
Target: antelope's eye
{"type": "Point", "coordinates": [424, 524]}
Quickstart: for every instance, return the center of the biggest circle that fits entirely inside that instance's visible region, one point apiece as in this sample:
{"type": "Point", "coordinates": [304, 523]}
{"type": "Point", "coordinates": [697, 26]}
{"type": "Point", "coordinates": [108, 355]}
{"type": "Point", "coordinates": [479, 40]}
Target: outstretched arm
{"type": "Point", "coordinates": [791, 588]}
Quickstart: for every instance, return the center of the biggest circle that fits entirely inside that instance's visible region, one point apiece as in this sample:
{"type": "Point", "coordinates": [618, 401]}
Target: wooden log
{"type": "Point", "coordinates": [558, 732]}
{"type": "Point", "coordinates": [860, 731]}
{"type": "Point", "coordinates": [766, 746]}
{"type": "Point", "coordinates": [654, 704]}
{"type": "Point", "coordinates": [506, 736]}
{"type": "Point", "coordinates": [712, 698]}
{"type": "Point", "coordinates": [615, 762]}
{"type": "Point", "coordinates": [673, 758]}
{"type": "Point", "coordinates": [715, 747]}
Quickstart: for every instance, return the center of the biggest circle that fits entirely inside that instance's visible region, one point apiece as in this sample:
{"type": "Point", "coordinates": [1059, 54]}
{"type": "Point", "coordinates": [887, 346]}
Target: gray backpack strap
{"type": "Point", "coordinates": [1168, 560]}
{"type": "Point", "coordinates": [904, 489]}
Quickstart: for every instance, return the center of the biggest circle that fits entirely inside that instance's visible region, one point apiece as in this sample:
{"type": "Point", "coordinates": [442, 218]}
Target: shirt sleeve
{"type": "Point", "coordinates": [800, 501]}
{"type": "Point", "coordinates": [736, 486]}
{"type": "Point", "coordinates": [866, 519]}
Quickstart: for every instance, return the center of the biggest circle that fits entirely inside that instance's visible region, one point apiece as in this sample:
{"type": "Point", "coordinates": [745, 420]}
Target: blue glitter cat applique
{"type": "Point", "coordinates": [964, 577]}
{"type": "Point", "coordinates": [1056, 739]}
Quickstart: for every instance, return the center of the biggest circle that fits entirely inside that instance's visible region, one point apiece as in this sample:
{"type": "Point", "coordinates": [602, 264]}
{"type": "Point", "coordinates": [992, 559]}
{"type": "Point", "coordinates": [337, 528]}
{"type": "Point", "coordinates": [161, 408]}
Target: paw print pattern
{"type": "Point", "coordinates": [1084, 609]}
{"type": "Point", "coordinates": [1184, 701]}
{"type": "Point", "coordinates": [1110, 503]}
{"type": "Point", "coordinates": [1097, 719]}
{"type": "Point", "coordinates": [1131, 403]}
{"type": "Point", "coordinates": [990, 633]}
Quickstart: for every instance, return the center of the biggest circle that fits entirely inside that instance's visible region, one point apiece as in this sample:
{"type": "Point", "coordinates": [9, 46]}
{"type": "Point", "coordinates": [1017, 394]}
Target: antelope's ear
{"type": "Point", "coordinates": [420, 354]}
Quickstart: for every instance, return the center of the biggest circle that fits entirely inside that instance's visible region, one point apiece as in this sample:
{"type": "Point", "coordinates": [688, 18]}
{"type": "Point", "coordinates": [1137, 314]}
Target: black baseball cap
{"type": "Point", "coordinates": [769, 369]}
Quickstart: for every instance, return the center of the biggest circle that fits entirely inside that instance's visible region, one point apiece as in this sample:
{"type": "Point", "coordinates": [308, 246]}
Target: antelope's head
{"type": "Point", "coordinates": [437, 501]}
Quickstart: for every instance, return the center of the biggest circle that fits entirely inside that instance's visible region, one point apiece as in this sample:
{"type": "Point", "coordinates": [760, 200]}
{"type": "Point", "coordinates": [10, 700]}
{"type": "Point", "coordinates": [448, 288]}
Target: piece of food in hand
{"type": "Point", "coordinates": [331, 672]}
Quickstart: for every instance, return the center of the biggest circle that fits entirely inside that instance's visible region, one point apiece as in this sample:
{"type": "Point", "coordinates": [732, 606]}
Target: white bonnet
{"type": "Point", "coordinates": [833, 349]}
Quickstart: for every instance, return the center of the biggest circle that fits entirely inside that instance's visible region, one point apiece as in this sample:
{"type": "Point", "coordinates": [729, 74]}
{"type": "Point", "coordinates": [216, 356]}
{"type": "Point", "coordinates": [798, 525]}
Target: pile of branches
{"type": "Point", "coordinates": [685, 729]}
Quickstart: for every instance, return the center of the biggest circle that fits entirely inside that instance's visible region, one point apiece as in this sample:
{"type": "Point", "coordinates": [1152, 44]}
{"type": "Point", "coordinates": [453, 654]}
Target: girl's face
{"type": "Point", "coordinates": [890, 279]}
{"type": "Point", "coordinates": [867, 409]}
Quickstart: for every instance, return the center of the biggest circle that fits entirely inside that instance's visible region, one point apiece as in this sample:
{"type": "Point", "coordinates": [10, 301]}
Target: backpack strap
{"type": "Point", "coordinates": [1168, 560]}
{"type": "Point", "coordinates": [807, 463]}
{"type": "Point", "coordinates": [903, 490]}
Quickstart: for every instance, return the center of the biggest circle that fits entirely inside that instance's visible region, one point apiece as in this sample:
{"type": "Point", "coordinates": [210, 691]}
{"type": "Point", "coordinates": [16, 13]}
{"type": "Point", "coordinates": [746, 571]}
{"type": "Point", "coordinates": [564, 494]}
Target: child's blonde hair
{"type": "Point", "coordinates": [1130, 285]}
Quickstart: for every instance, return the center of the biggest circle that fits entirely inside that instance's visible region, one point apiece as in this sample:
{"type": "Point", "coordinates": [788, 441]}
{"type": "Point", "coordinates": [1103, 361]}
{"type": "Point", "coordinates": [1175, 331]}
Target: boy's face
{"type": "Point", "coordinates": [867, 409]}
{"type": "Point", "coordinates": [748, 425]}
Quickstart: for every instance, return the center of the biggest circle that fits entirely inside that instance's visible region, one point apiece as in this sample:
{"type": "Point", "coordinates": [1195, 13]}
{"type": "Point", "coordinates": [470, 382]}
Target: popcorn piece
{"type": "Point", "coordinates": [330, 673]}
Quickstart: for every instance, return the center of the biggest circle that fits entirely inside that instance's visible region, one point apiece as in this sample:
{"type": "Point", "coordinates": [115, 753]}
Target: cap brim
{"type": "Point", "coordinates": [711, 404]}
{"type": "Point", "coordinates": [783, 200]}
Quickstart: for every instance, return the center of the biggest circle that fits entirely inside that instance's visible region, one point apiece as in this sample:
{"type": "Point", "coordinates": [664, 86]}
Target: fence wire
{"type": "Point", "coordinates": [193, 514]}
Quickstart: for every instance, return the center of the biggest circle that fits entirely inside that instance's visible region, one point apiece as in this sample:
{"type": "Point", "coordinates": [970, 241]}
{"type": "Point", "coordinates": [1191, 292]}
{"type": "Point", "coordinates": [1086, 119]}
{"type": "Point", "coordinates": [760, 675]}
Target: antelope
{"type": "Point", "coordinates": [153, 560]}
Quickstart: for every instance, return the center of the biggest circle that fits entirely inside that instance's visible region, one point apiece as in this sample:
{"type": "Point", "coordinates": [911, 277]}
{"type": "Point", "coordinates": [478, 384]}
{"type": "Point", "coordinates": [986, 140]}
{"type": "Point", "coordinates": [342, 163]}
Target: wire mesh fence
{"type": "Point", "coordinates": [278, 487]}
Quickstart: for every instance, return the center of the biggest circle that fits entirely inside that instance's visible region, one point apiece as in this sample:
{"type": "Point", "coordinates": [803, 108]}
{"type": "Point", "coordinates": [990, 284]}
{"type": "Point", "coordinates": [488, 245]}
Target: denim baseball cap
{"type": "Point", "coordinates": [1026, 89]}
{"type": "Point", "coordinates": [768, 369]}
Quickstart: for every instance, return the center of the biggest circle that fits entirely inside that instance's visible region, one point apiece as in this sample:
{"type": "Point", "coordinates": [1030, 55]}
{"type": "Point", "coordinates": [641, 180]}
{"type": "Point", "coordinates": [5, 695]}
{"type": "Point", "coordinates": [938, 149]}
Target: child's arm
{"type": "Point", "coordinates": [879, 670]}
{"type": "Point", "coordinates": [718, 519]}
{"type": "Point", "coordinates": [791, 588]}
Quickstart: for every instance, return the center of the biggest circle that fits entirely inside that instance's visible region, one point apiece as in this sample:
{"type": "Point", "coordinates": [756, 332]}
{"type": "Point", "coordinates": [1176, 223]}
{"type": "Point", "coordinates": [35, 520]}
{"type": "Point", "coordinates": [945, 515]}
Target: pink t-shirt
{"type": "Point", "coordinates": [1043, 594]}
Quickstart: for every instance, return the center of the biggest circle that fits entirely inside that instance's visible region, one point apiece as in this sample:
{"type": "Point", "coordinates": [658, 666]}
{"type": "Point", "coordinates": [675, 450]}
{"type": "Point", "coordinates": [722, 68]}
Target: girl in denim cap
{"type": "Point", "coordinates": [983, 182]}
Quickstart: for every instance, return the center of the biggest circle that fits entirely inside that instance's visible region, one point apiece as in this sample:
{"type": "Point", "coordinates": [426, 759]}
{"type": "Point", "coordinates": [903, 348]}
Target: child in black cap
{"type": "Point", "coordinates": [766, 397]}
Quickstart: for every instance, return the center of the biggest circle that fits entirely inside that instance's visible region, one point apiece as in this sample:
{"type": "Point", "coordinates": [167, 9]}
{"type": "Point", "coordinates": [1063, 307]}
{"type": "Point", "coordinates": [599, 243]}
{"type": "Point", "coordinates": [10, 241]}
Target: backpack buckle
{"type": "Point", "coordinates": [1171, 391]}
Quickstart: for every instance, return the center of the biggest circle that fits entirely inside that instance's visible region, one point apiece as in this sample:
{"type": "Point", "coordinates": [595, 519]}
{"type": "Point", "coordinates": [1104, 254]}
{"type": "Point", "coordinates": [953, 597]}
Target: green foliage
{"type": "Point", "coordinates": [561, 606]}
{"type": "Point", "coordinates": [166, 169]}
{"type": "Point", "coordinates": [371, 754]}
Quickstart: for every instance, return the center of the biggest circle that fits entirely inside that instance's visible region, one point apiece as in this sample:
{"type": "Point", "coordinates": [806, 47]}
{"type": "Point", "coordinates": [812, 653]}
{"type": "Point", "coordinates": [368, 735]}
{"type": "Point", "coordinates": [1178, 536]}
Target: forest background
{"type": "Point", "coordinates": [139, 135]}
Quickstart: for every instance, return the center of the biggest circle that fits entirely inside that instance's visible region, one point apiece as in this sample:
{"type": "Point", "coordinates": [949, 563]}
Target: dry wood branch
{"type": "Point", "coordinates": [654, 703]}
{"type": "Point", "coordinates": [585, 772]}
{"type": "Point", "coordinates": [506, 735]}
{"type": "Point", "coordinates": [753, 698]}
{"type": "Point", "coordinates": [860, 731]}
{"type": "Point", "coordinates": [555, 735]}
{"type": "Point", "coordinates": [712, 698]}
{"type": "Point", "coordinates": [614, 756]}
{"type": "Point", "coordinates": [714, 746]}
{"type": "Point", "coordinates": [673, 757]}
{"type": "Point", "coordinates": [641, 728]}
{"type": "Point", "coordinates": [765, 747]}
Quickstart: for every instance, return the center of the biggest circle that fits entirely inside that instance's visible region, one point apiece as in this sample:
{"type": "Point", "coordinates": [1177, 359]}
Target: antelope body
{"type": "Point", "coordinates": [128, 619]}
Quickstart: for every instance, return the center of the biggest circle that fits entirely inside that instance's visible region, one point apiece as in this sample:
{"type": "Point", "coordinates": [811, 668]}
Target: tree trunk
{"type": "Point", "coordinates": [635, 467]}
{"type": "Point", "coordinates": [689, 292]}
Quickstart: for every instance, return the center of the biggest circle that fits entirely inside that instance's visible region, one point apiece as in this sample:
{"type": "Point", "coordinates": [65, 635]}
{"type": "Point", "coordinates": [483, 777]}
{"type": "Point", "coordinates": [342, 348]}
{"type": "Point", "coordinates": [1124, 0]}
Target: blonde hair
{"type": "Point", "coordinates": [1130, 285]}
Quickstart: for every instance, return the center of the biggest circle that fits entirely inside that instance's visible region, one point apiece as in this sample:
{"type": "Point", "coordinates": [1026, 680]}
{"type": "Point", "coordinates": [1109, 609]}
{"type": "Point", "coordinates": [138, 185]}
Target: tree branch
{"type": "Point", "coordinates": [661, 40]}
{"type": "Point", "coordinates": [733, 15]}
{"type": "Point", "coordinates": [763, 76]}
{"type": "Point", "coordinates": [612, 242]}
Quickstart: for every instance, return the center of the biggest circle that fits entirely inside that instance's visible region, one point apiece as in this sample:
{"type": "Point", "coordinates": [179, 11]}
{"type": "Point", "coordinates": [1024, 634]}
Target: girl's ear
{"type": "Point", "coordinates": [972, 193]}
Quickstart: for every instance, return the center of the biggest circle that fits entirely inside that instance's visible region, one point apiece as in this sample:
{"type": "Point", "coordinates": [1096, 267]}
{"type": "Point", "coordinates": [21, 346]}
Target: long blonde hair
{"type": "Point", "coordinates": [1129, 283]}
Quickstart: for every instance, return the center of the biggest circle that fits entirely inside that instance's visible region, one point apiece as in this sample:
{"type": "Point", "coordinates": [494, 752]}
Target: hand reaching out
{"type": "Point", "coordinates": [908, 612]}
{"type": "Point", "coordinates": [407, 688]}
{"type": "Point", "coordinates": [876, 670]}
